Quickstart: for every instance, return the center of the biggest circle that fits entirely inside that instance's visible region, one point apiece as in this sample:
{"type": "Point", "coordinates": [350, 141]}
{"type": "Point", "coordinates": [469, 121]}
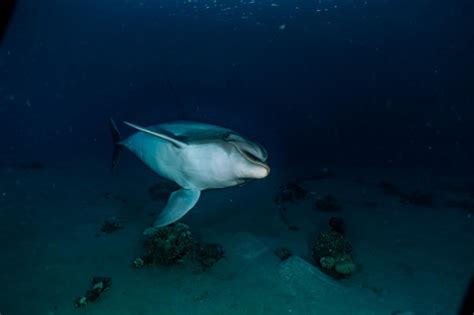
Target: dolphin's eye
{"type": "Point", "coordinates": [227, 136]}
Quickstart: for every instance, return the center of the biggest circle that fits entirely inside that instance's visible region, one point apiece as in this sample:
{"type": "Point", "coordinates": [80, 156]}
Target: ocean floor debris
{"type": "Point", "coordinates": [111, 225]}
{"type": "Point", "coordinates": [98, 286]}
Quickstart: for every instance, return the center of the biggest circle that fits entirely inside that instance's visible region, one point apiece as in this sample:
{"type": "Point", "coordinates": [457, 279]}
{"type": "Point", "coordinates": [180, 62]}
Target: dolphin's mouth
{"type": "Point", "coordinates": [249, 156]}
{"type": "Point", "coordinates": [252, 158]}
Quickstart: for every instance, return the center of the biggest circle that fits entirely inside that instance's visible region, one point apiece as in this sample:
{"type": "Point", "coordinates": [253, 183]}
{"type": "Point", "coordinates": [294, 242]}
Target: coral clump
{"type": "Point", "coordinates": [332, 251]}
{"type": "Point", "coordinates": [174, 244]}
{"type": "Point", "coordinates": [330, 244]}
{"type": "Point", "coordinates": [169, 244]}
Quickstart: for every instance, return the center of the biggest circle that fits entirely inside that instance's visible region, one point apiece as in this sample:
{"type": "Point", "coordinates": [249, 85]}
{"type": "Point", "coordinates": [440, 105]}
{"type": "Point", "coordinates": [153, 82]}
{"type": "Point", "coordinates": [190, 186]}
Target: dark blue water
{"type": "Point", "coordinates": [374, 82]}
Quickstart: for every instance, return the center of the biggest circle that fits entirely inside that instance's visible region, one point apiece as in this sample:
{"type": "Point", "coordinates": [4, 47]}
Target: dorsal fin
{"type": "Point", "coordinates": [170, 138]}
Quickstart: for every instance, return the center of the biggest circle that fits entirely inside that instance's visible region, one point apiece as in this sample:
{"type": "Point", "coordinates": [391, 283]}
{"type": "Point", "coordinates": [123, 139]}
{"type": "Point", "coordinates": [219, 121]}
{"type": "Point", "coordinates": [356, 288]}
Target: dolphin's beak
{"type": "Point", "coordinates": [267, 168]}
{"type": "Point", "coordinates": [265, 165]}
{"type": "Point", "coordinates": [255, 160]}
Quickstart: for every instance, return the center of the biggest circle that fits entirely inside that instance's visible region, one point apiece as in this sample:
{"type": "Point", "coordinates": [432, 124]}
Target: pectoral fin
{"type": "Point", "coordinates": [179, 203]}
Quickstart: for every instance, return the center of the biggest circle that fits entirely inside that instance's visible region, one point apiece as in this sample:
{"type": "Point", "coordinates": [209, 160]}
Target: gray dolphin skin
{"type": "Point", "coordinates": [196, 156]}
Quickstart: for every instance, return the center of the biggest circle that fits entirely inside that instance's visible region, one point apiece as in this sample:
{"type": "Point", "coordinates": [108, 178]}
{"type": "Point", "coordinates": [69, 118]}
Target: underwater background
{"type": "Point", "coordinates": [366, 109]}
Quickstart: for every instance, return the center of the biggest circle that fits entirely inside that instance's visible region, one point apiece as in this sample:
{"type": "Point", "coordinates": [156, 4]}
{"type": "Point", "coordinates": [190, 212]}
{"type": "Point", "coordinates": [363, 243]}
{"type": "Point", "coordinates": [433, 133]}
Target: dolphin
{"type": "Point", "coordinates": [196, 156]}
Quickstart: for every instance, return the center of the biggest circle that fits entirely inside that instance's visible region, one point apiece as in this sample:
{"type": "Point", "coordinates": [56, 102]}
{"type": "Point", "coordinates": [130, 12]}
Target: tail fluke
{"type": "Point", "coordinates": [116, 138]}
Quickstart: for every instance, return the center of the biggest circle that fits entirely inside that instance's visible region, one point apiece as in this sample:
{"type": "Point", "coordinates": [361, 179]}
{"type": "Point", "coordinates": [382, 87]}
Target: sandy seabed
{"type": "Point", "coordinates": [410, 258]}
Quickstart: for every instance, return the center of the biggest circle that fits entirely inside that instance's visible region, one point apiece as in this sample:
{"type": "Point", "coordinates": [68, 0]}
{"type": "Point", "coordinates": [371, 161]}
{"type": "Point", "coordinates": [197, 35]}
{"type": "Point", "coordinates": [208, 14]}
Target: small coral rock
{"type": "Point", "coordinates": [98, 286]}
{"type": "Point", "coordinates": [138, 263]}
{"type": "Point", "coordinates": [327, 262]}
{"type": "Point", "coordinates": [345, 268]}
{"type": "Point", "coordinates": [80, 302]}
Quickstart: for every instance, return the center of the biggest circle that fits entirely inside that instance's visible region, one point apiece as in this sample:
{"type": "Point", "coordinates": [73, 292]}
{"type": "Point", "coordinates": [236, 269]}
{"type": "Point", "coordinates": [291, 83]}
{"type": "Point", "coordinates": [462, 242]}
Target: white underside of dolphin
{"type": "Point", "coordinates": [197, 157]}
